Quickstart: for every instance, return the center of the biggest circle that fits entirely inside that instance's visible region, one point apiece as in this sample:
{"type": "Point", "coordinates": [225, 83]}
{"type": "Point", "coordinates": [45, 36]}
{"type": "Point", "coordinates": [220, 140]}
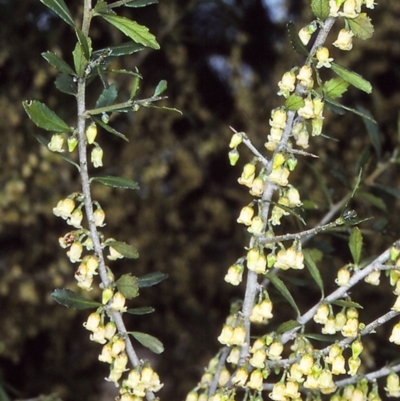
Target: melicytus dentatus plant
{"type": "Point", "coordinates": [284, 364]}
{"type": "Point", "coordinates": [281, 364]}
{"type": "Point", "coordinates": [86, 245]}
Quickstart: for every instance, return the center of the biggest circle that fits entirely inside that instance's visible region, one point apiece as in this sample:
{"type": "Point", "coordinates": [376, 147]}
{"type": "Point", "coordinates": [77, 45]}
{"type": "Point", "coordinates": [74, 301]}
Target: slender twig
{"type": "Point", "coordinates": [252, 285]}
{"type": "Point", "coordinates": [84, 173]}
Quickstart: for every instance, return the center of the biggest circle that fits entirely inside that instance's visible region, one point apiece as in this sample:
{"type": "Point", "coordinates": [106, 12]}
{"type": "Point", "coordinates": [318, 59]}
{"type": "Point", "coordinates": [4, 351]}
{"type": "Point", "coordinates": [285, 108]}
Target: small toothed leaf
{"type": "Point", "coordinates": [58, 63]}
{"type": "Point", "coordinates": [297, 44]}
{"type": "Point", "coordinates": [140, 3]}
{"type": "Point", "coordinates": [281, 287]}
{"type": "Point", "coordinates": [144, 310]}
{"type": "Point", "coordinates": [128, 286]}
{"type": "Point", "coordinates": [61, 9]}
{"type": "Point", "coordinates": [347, 304]}
{"type": "Point", "coordinates": [294, 102]}
{"type": "Point", "coordinates": [69, 299]}
{"type": "Point", "coordinates": [152, 279]}
{"type": "Point", "coordinates": [107, 97]}
{"type": "Point", "coordinates": [45, 118]}
{"type": "Point", "coordinates": [335, 87]}
{"type": "Point", "coordinates": [287, 326]}
{"type": "Point", "coordinates": [124, 249]}
{"type": "Point", "coordinates": [161, 87]}
{"type": "Point", "coordinates": [320, 9]}
{"type": "Point", "coordinates": [138, 33]}
{"type": "Point", "coordinates": [313, 269]}
{"type": "Point", "coordinates": [116, 182]}
{"type": "Point", "coordinates": [148, 341]}
{"type": "Point", "coordinates": [351, 77]}
{"type": "Point", "coordinates": [361, 26]}
{"type": "Point", "coordinates": [355, 244]}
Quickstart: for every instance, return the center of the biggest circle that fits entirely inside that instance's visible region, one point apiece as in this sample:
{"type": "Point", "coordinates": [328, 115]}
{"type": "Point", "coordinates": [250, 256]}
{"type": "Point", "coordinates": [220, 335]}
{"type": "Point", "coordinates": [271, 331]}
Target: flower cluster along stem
{"type": "Point", "coordinates": [115, 316]}
{"type": "Point", "coordinates": [306, 369]}
{"type": "Point", "coordinates": [252, 285]}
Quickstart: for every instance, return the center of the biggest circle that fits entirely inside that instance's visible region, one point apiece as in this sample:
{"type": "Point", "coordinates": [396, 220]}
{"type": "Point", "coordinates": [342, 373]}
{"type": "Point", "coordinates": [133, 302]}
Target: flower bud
{"type": "Point", "coordinates": [107, 295]}
{"type": "Point", "coordinates": [236, 140]}
{"type": "Point", "coordinates": [233, 156]}
{"type": "Point", "coordinates": [72, 142]}
{"type": "Point", "coordinates": [91, 133]}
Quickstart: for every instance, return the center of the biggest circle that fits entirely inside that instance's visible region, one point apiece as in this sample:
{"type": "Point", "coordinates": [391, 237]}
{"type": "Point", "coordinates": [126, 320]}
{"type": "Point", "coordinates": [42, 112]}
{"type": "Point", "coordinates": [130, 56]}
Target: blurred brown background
{"type": "Point", "coordinates": [222, 60]}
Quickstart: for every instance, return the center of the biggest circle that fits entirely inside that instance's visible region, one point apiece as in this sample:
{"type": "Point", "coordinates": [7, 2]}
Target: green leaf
{"type": "Point", "coordinates": [128, 285]}
{"type": "Point", "coordinates": [122, 50]}
{"type": "Point", "coordinates": [85, 42]}
{"type": "Point", "coordinates": [373, 131]}
{"type": "Point", "coordinates": [58, 63]}
{"type": "Point", "coordinates": [66, 84]}
{"type": "Point", "coordinates": [102, 7]}
{"type": "Point", "coordinates": [150, 342]}
{"type": "Point", "coordinates": [138, 33]}
{"type": "Point", "coordinates": [109, 129]}
{"type": "Point", "coordinates": [335, 87]}
{"type": "Point", "coordinates": [151, 106]}
{"type": "Point", "coordinates": [313, 269]}
{"type": "Point", "coordinates": [144, 310]}
{"type": "Point", "coordinates": [373, 200]}
{"type": "Point", "coordinates": [135, 87]}
{"type": "Point", "coordinates": [321, 337]}
{"type": "Point", "coordinates": [361, 26]}
{"type": "Point", "coordinates": [320, 9]}
{"type": "Point", "coordinates": [355, 244]}
{"type": "Point", "coordinates": [390, 190]}
{"type": "Point", "coordinates": [295, 41]}
{"type": "Point", "coordinates": [322, 184]}
{"type": "Point", "coordinates": [124, 249]}
{"type": "Point", "coordinates": [281, 287]}
{"type": "Point", "coordinates": [161, 87]}
{"type": "Point", "coordinates": [116, 182]}
{"type": "Point", "coordinates": [71, 300]}
{"type": "Point", "coordinates": [337, 106]}
{"type": "Point", "coordinates": [140, 3]}
{"type": "Point", "coordinates": [353, 78]}
{"type": "Point", "coordinates": [294, 102]}
{"type": "Point", "coordinates": [3, 394]}
{"type": "Point", "coordinates": [61, 9]}
{"type": "Point", "coordinates": [152, 279]}
{"type": "Point", "coordinates": [362, 160]}
{"type": "Point", "coordinates": [45, 118]}
{"type": "Point", "coordinates": [107, 97]}
{"type": "Point", "coordinates": [80, 62]}
{"type": "Point", "coordinates": [287, 326]}
{"type": "Point", "coordinates": [347, 304]}
{"type": "Point", "coordinates": [290, 211]}
{"type": "Point", "coordinates": [43, 141]}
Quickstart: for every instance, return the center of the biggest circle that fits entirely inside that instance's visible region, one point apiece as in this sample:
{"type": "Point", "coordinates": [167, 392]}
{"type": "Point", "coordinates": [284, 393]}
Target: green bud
{"type": "Point", "coordinates": [233, 156]}
{"type": "Point", "coordinates": [291, 164]}
{"type": "Point", "coordinates": [72, 142]}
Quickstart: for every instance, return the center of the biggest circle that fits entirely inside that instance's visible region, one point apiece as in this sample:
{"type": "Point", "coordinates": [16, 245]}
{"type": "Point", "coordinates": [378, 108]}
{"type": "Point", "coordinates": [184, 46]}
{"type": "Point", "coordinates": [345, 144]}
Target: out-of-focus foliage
{"type": "Point", "coordinates": [222, 61]}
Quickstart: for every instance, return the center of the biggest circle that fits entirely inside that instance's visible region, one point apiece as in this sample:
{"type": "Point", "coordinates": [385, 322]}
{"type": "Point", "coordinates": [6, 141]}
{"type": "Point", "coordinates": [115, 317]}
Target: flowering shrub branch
{"type": "Point", "coordinates": [256, 364]}
{"type": "Point", "coordinates": [106, 323]}
{"type": "Point", "coordinates": [284, 361]}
